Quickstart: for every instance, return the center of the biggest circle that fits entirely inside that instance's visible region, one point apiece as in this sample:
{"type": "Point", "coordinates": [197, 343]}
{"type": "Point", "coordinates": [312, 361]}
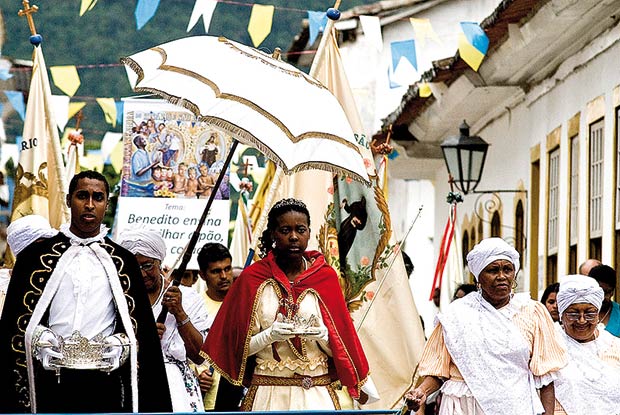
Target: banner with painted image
{"type": "Point", "coordinates": [171, 162]}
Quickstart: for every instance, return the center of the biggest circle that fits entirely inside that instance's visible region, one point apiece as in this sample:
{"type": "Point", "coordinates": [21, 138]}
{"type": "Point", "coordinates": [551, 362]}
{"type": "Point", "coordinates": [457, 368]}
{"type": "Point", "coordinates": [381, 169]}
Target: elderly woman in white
{"type": "Point", "coordinates": [590, 383]}
{"type": "Point", "coordinates": [491, 350]}
{"type": "Point", "coordinates": [186, 324]}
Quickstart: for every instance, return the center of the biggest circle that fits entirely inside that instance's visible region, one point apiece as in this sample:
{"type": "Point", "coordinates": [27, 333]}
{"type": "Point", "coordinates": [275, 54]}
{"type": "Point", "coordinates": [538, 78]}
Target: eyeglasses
{"type": "Point", "coordinates": [590, 317]}
{"type": "Point", "coordinates": [147, 266]}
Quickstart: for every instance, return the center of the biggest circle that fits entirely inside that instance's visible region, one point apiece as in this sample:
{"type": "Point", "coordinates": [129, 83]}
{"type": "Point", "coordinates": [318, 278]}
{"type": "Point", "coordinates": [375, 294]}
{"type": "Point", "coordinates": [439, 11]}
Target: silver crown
{"type": "Point", "coordinates": [302, 325]}
{"type": "Point", "coordinates": [80, 353]}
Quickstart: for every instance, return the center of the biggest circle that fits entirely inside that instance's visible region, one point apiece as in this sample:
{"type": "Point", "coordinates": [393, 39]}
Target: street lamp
{"type": "Point", "coordinates": [464, 157]}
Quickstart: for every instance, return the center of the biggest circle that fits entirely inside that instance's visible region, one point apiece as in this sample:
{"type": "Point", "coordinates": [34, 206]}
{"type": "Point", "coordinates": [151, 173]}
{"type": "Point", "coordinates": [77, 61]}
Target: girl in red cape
{"type": "Point", "coordinates": [284, 330]}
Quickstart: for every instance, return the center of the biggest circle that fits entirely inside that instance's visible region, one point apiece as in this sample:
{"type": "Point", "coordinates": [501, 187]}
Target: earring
{"type": "Point", "coordinates": [273, 244]}
{"type": "Point", "coordinates": [514, 284]}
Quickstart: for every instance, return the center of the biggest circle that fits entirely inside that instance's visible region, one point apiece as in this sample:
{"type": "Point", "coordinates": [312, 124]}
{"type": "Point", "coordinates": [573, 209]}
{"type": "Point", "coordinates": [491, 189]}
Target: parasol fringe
{"type": "Point", "coordinates": [134, 67]}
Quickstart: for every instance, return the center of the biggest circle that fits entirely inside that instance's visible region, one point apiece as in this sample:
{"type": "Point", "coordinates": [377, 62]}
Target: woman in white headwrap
{"type": "Point", "coordinates": [490, 350]}
{"type": "Point", "coordinates": [590, 383]}
{"type": "Point", "coordinates": [186, 324]}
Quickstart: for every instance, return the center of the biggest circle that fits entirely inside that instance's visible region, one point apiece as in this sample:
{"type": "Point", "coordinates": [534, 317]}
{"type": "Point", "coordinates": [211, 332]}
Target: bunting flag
{"type": "Point", "coordinates": [204, 8]}
{"type": "Point", "coordinates": [354, 233]}
{"type": "Point", "coordinates": [16, 98]}
{"type": "Point", "coordinates": [86, 6]}
{"type": "Point", "coordinates": [423, 30]}
{"type": "Point", "coordinates": [108, 105]}
{"type": "Point", "coordinates": [260, 23]}
{"type": "Point", "coordinates": [66, 78]}
{"type": "Point", "coordinates": [404, 49]}
{"type": "Point", "coordinates": [5, 74]}
{"type": "Point", "coordinates": [75, 107]}
{"type": "Point", "coordinates": [473, 44]}
{"type": "Point", "coordinates": [371, 26]}
{"type": "Point", "coordinates": [316, 22]}
{"type": "Point", "coordinates": [60, 108]}
{"type": "Point", "coordinates": [40, 180]}
{"type": "Point", "coordinates": [242, 236]}
{"type": "Point", "coordinates": [120, 107]}
{"type": "Point", "coordinates": [145, 10]}
{"type": "Point", "coordinates": [109, 143]}
{"type": "Point", "coordinates": [392, 82]}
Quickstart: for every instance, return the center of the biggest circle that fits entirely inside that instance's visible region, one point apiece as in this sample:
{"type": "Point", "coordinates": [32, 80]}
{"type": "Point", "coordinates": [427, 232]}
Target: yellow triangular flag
{"type": "Point", "coordinates": [423, 30]}
{"type": "Point", "coordinates": [424, 90]}
{"type": "Point", "coordinates": [74, 107]}
{"type": "Point", "coordinates": [86, 6]}
{"type": "Point", "coordinates": [116, 157]}
{"type": "Point", "coordinates": [66, 78]}
{"type": "Point", "coordinates": [109, 109]}
{"type": "Point", "coordinates": [92, 161]}
{"type": "Point", "coordinates": [260, 23]}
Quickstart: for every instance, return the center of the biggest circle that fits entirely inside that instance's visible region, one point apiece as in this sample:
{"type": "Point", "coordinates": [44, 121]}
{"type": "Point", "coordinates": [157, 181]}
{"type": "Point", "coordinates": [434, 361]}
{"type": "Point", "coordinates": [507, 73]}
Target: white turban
{"type": "Point", "coordinates": [27, 229]}
{"type": "Point", "coordinates": [489, 250]}
{"type": "Point", "coordinates": [144, 242]}
{"type": "Point", "coordinates": [579, 289]}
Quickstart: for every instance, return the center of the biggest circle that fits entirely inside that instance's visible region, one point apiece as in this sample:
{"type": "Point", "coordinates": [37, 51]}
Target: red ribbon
{"type": "Point", "coordinates": [446, 241]}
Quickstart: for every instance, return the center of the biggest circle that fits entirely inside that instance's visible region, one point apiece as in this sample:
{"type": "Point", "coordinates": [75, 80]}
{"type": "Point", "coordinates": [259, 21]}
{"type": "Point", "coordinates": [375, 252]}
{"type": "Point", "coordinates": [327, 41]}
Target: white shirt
{"type": "Point", "coordinates": [84, 300]}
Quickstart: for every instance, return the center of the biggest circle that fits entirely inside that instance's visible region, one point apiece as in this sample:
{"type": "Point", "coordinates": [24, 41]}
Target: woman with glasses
{"type": "Point", "coordinates": [491, 351]}
{"type": "Point", "coordinates": [590, 383]}
{"type": "Point", "coordinates": [186, 324]}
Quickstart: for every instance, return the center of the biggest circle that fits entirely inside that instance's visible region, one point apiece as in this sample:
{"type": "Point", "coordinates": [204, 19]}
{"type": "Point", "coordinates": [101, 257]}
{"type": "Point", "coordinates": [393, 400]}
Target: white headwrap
{"type": "Point", "coordinates": [27, 229]}
{"type": "Point", "coordinates": [579, 289]}
{"type": "Point", "coordinates": [489, 250]}
{"type": "Point", "coordinates": [144, 242]}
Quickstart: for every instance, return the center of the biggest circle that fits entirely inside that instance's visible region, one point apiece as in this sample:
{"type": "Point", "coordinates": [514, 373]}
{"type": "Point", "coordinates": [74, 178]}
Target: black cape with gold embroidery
{"type": "Point", "coordinates": [24, 292]}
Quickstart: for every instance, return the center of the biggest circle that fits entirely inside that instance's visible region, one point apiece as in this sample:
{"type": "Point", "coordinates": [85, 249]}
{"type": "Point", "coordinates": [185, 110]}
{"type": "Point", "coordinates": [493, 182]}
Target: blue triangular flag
{"type": "Point", "coordinates": [4, 74]}
{"type": "Point", "coordinates": [393, 154]}
{"type": "Point", "coordinates": [317, 22]}
{"type": "Point", "coordinates": [403, 49]}
{"type": "Point", "coordinates": [119, 111]}
{"type": "Point", "coordinates": [145, 10]}
{"type": "Point", "coordinates": [16, 98]}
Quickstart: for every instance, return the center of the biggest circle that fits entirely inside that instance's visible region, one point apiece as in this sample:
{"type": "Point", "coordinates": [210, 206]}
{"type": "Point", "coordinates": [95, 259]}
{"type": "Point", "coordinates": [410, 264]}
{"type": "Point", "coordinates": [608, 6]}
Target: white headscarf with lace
{"type": "Point", "coordinates": [489, 250]}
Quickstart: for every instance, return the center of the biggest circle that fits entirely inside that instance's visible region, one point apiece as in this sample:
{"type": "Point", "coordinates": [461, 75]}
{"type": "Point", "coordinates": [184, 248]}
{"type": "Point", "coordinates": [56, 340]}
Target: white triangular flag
{"type": "Point", "coordinates": [371, 26]}
{"type": "Point", "coordinates": [204, 8]}
{"type": "Point", "coordinates": [60, 109]}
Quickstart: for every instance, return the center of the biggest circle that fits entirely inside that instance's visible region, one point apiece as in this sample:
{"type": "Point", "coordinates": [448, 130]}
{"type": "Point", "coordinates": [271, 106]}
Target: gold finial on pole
{"type": "Point", "coordinates": [28, 11]}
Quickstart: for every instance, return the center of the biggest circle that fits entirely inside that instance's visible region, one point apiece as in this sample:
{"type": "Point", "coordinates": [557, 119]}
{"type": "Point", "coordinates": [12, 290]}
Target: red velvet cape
{"type": "Point", "coordinates": [228, 341]}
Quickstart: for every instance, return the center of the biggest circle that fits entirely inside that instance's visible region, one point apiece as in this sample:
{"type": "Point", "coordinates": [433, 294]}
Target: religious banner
{"type": "Point", "coordinates": [171, 162]}
{"type": "Point", "coordinates": [40, 182]}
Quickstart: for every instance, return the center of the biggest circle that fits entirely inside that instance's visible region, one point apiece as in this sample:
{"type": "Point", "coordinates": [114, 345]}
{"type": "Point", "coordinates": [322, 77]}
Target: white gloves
{"type": "Point", "coordinates": [116, 351]}
{"type": "Point", "coordinates": [47, 347]}
{"type": "Point", "coordinates": [320, 335]}
{"type": "Point", "coordinates": [278, 331]}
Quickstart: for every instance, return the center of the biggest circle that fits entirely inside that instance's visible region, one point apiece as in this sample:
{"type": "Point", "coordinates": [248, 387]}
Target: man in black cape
{"type": "Point", "coordinates": [80, 281]}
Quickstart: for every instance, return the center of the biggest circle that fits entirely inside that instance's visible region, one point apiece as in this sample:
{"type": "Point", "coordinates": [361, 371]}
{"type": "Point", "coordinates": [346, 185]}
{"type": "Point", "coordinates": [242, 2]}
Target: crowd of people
{"type": "Point", "coordinates": [83, 313]}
